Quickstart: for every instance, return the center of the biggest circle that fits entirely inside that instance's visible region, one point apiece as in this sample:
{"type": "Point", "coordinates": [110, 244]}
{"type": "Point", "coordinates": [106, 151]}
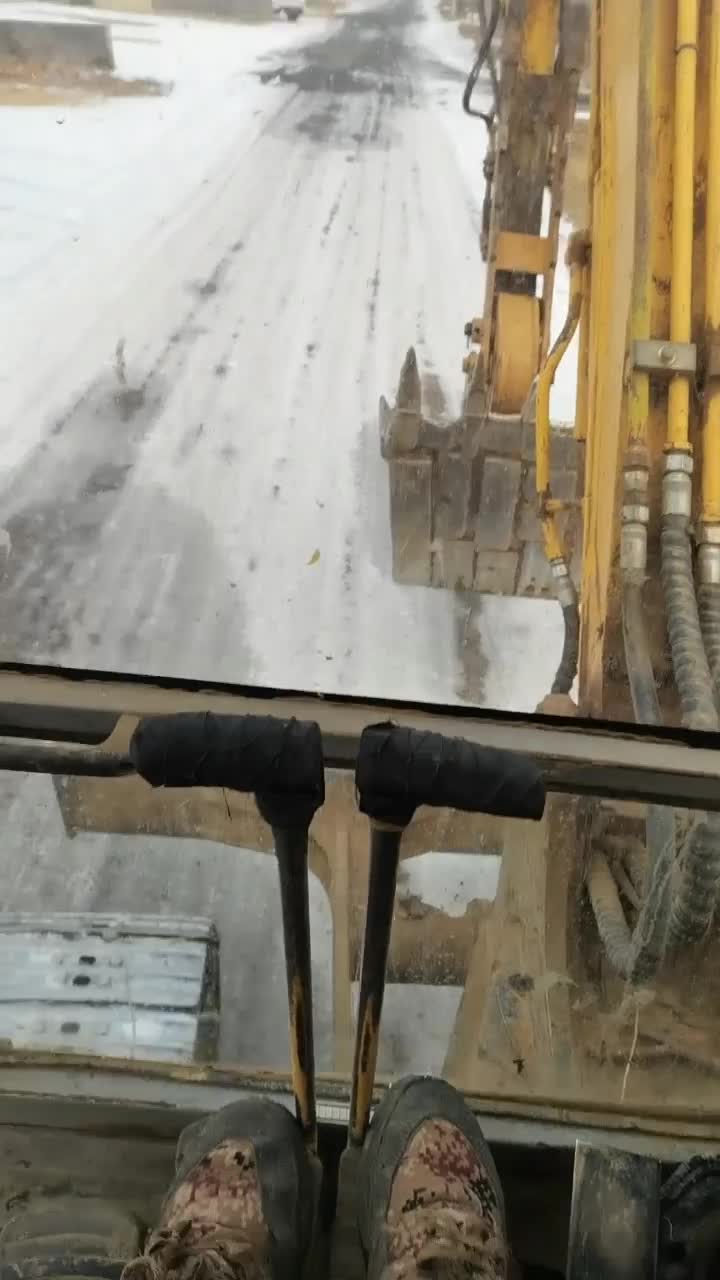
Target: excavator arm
{"type": "Point", "coordinates": [469, 507]}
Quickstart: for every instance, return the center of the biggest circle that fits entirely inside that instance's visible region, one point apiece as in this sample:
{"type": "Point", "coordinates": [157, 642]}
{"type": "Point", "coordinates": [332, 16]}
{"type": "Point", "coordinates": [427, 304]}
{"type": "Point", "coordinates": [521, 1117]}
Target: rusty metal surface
{"type": "Point", "coordinates": [673, 766]}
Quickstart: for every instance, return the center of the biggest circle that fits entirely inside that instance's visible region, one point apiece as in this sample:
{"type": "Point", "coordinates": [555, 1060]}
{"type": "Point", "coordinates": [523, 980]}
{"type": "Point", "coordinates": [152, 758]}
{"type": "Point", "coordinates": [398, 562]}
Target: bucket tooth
{"type": "Point", "coordinates": [475, 396]}
{"type": "Point", "coordinates": [409, 392]}
{"type": "Point", "coordinates": [401, 425]}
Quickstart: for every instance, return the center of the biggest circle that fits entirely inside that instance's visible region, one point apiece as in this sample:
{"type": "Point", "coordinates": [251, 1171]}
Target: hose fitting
{"type": "Point", "coordinates": [635, 515]}
{"type": "Point", "coordinates": [708, 561]}
{"type": "Point", "coordinates": [567, 598]}
{"type": "Point", "coordinates": [677, 484]}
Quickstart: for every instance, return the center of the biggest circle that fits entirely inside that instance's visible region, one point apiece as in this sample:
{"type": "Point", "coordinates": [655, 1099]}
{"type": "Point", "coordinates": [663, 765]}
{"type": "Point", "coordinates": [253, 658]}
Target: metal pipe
{"type": "Point", "coordinates": [645, 194]}
{"type": "Point", "coordinates": [683, 216]}
{"type": "Point", "coordinates": [708, 566]}
{"type": "Point", "coordinates": [711, 424]}
{"type": "Point", "coordinates": [576, 258]}
{"type": "Point", "coordinates": [63, 758]}
{"type": "Point", "coordinates": [643, 765]}
{"type": "Point", "coordinates": [384, 857]}
{"type": "Point", "coordinates": [291, 848]}
{"type": "Point", "coordinates": [546, 376]}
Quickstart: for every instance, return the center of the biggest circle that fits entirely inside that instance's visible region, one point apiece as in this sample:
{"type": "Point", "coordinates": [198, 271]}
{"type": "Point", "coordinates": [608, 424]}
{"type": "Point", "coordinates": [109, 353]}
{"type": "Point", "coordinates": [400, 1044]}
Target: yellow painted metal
{"type": "Point", "coordinates": [581, 390]}
{"type": "Point", "coordinates": [516, 348]}
{"type": "Point", "coordinates": [548, 516]}
{"type": "Point", "coordinates": [711, 422]}
{"type": "Point", "coordinates": [540, 37]}
{"type": "Point", "coordinates": [518, 252]}
{"type": "Point", "coordinates": [683, 209]}
{"type": "Point", "coordinates": [302, 1080]}
{"type": "Point", "coordinates": [639, 328]}
{"type": "Point", "coordinates": [615, 34]}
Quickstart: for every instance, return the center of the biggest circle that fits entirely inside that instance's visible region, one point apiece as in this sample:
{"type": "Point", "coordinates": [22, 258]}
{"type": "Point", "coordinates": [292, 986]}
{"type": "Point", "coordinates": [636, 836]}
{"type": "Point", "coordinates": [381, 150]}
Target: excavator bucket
{"type": "Point", "coordinates": [463, 505]}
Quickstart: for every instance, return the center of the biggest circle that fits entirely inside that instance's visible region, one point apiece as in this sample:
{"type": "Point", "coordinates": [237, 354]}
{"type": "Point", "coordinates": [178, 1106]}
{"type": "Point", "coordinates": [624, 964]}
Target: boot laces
{"type": "Point", "coordinates": [441, 1240]}
{"type": "Point", "coordinates": [183, 1254]}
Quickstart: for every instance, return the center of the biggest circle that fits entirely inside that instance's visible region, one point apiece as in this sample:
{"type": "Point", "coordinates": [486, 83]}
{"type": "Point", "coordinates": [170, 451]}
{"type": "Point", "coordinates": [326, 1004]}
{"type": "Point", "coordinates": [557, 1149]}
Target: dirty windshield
{"type": "Point", "coordinates": [310, 382]}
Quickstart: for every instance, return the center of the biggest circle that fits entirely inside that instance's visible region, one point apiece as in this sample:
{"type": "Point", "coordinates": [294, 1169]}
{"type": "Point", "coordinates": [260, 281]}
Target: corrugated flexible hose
{"type": "Point", "coordinates": [568, 665]}
{"type": "Point", "coordinates": [696, 890]}
{"type": "Point", "coordinates": [637, 954]}
{"type": "Point", "coordinates": [709, 612]}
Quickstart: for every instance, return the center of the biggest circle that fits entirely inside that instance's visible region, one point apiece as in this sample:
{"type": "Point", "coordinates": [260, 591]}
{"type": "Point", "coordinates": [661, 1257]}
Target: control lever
{"type": "Point", "coordinates": [281, 763]}
{"type": "Point", "coordinates": [397, 770]}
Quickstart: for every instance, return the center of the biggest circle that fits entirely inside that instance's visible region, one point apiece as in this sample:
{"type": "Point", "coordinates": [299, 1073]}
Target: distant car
{"type": "Point", "coordinates": [292, 10]}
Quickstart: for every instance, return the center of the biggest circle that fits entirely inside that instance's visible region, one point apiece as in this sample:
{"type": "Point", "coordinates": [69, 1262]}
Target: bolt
{"type": "Point", "coordinates": [667, 356]}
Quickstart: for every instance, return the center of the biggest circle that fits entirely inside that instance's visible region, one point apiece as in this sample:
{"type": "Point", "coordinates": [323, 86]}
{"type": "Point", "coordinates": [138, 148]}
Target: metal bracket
{"type": "Point", "coordinates": [652, 355]}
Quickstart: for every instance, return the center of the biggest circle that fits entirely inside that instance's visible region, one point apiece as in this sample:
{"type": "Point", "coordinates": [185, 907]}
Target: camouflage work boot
{"type": "Point", "coordinates": [242, 1204]}
{"type": "Point", "coordinates": [431, 1203]}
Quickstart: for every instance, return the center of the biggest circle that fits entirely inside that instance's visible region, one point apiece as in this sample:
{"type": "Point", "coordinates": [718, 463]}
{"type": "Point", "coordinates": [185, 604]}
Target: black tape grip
{"type": "Point", "coordinates": [271, 757]}
{"type": "Point", "coordinates": [398, 769]}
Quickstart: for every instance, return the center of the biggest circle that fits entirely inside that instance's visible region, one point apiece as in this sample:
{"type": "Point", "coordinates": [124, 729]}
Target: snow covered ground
{"type": "Point", "coordinates": [202, 294]}
{"type": "Point", "coordinates": [251, 253]}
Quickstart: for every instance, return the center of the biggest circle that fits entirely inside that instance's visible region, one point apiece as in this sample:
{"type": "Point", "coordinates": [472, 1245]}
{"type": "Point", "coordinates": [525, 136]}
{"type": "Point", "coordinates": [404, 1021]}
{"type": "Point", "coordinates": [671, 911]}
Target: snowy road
{"type": "Point", "coordinates": [204, 293]}
{"type": "Point", "coordinates": [191, 480]}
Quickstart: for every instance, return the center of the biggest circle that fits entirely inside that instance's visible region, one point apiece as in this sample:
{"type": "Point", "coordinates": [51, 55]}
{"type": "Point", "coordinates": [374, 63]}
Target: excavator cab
{"type": "Point", "coordinates": [447, 891]}
{"type": "Point", "coordinates": [524, 903]}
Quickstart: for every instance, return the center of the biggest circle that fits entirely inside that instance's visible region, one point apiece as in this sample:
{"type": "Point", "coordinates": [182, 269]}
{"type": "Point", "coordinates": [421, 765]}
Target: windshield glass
{"type": "Point", "coordinates": [227, 240]}
{"type": "Point", "coordinates": [508, 965]}
{"type": "Point", "coordinates": [311, 380]}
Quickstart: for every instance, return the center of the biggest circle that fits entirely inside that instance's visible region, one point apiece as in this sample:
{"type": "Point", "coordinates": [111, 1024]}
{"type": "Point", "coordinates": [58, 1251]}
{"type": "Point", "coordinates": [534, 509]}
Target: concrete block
{"type": "Point", "coordinates": [411, 519]}
{"type": "Point", "coordinates": [495, 572]}
{"type": "Point", "coordinates": [499, 496]}
{"type": "Point", "coordinates": [86, 45]}
{"type": "Point", "coordinates": [452, 501]}
{"type": "Point", "coordinates": [535, 578]}
{"type": "Point", "coordinates": [453, 562]}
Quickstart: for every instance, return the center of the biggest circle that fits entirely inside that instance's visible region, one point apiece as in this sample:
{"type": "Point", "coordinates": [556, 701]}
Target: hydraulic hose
{"type": "Point", "coordinates": [645, 948]}
{"type": "Point", "coordinates": [696, 892]}
{"type": "Point", "coordinates": [568, 665]}
{"type": "Point", "coordinates": [575, 258]}
{"type": "Point", "coordinates": [609, 915]}
{"type": "Point", "coordinates": [709, 612]}
{"type": "Point", "coordinates": [481, 58]}
{"type": "Point", "coordinates": [690, 664]}
{"type": "Point", "coordinates": [634, 954]}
